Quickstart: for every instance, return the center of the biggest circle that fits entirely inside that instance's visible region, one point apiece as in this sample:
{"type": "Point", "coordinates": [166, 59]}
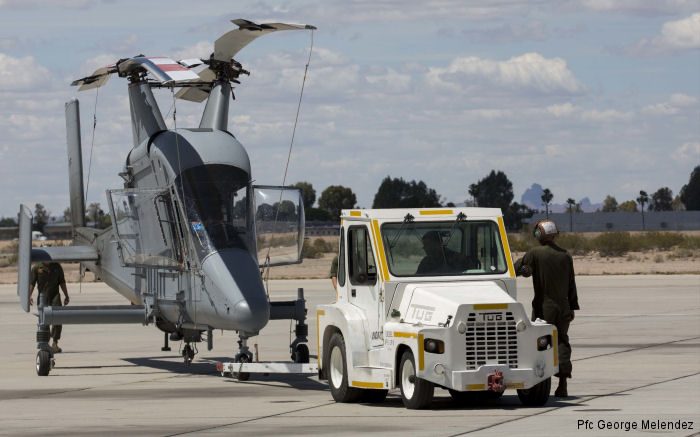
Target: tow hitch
{"type": "Point", "coordinates": [495, 382]}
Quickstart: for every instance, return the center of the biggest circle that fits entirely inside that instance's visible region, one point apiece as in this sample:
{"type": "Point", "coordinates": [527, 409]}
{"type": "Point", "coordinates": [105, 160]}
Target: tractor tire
{"type": "Point", "coordinates": [537, 395]}
{"type": "Point", "coordinates": [337, 372]}
{"type": "Point", "coordinates": [416, 393]}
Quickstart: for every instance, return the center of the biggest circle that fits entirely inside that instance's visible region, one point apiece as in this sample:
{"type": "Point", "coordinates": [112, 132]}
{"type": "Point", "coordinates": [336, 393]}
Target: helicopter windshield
{"type": "Point", "coordinates": [216, 201]}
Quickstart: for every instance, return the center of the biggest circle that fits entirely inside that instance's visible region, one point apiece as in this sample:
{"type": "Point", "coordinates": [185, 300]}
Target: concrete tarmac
{"type": "Point", "coordinates": [636, 356]}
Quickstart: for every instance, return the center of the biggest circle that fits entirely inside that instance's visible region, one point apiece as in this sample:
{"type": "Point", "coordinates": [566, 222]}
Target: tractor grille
{"type": "Point", "coordinates": [491, 339]}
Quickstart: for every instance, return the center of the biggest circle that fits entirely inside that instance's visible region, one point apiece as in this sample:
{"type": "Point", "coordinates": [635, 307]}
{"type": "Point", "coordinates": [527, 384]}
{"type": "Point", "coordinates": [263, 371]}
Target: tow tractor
{"type": "Point", "coordinates": [426, 298]}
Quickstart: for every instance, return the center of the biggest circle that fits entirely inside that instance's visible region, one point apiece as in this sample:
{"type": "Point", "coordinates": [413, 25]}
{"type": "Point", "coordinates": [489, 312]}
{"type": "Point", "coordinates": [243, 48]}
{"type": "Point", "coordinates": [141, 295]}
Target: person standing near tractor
{"type": "Point", "coordinates": [49, 277]}
{"type": "Point", "coordinates": [552, 271]}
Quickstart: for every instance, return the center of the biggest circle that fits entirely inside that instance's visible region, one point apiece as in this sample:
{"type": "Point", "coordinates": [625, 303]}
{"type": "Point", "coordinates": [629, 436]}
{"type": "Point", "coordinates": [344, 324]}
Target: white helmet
{"type": "Point", "coordinates": [545, 230]}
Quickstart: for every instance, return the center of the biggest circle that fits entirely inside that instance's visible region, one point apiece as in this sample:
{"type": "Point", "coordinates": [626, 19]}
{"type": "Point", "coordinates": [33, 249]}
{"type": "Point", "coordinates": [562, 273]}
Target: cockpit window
{"type": "Point", "coordinates": [217, 204]}
{"type": "Point", "coordinates": [443, 248]}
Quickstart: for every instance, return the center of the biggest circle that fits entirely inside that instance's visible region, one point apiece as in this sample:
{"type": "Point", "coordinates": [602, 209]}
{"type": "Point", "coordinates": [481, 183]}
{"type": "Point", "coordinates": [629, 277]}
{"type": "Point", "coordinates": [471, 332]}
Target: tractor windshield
{"type": "Point", "coordinates": [444, 248]}
{"type": "Point", "coordinates": [216, 201]}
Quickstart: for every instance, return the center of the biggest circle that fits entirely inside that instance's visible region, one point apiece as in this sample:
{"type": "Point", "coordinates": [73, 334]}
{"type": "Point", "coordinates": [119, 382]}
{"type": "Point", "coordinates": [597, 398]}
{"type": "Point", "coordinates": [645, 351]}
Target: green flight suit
{"type": "Point", "coordinates": [48, 277]}
{"type": "Point", "coordinates": [552, 270]}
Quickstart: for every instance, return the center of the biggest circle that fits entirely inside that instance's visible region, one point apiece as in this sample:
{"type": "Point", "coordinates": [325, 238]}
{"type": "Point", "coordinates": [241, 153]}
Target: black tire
{"type": "Point", "coordinates": [43, 363]}
{"type": "Point", "coordinates": [373, 396]}
{"type": "Point", "coordinates": [537, 395]}
{"type": "Point", "coordinates": [337, 372]}
{"type": "Point", "coordinates": [417, 394]}
{"type": "Point", "coordinates": [242, 376]}
{"type": "Point", "coordinates": [301, 354]}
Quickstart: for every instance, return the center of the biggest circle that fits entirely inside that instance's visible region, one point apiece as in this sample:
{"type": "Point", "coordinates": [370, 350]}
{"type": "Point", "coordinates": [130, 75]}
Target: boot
{"type": "Point", "coordinates": [561, 390]}
{"type": "Point", "coordinates": [55, 347]}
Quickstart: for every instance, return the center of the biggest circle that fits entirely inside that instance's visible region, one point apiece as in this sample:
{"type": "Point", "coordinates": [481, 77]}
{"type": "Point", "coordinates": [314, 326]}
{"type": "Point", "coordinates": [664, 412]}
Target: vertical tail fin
{"type": "Point", "coordinates": [24, 262]}
{"type": "Point", "coordinates": [75, 164]}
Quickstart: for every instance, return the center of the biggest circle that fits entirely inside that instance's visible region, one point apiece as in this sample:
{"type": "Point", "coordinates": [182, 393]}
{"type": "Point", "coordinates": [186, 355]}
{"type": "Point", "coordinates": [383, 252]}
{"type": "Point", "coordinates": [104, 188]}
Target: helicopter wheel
{"type": "Point", "coordinates": [188, 354]}
{"type": "Point", "coordinates": [301, 354]}
{"type": "Point", "coordinates": [43, 363]}
{"type": "Point", "coordinates": [242, 376]}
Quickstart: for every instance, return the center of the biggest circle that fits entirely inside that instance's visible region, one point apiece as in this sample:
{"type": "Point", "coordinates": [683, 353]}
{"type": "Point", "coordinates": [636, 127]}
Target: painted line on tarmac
{"type": "Point", "coordinates": [253, 419]}
{"type": "Point", "coordinates": [580, 401]}
{"type": "Point", "coordinates": [636, 348]}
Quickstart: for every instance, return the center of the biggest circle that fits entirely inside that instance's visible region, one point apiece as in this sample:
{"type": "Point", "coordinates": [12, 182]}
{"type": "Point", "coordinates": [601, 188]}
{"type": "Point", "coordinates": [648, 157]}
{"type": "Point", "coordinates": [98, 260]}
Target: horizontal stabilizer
{"type": "Point", "coordinates": [64, 254]}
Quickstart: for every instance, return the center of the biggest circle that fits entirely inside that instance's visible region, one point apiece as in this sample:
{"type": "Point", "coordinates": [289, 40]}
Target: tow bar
{"type": "Point", "coordinates": [495, 382]}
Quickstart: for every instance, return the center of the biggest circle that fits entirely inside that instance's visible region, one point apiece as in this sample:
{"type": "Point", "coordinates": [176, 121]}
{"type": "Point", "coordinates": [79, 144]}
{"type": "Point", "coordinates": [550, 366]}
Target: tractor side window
{"type": "Point", "coordinates": [362, 268]}
{"type": "Point", "coordinates": [341, 259]}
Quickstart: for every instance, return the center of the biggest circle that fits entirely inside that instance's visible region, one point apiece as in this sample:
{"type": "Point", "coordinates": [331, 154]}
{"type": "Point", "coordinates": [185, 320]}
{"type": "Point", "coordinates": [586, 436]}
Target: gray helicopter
{"type": "Point", "coordinates": [190, 232]}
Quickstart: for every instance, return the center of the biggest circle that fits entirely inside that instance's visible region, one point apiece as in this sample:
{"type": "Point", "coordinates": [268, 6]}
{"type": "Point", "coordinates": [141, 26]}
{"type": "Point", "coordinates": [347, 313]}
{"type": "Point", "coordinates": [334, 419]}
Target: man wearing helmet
{"type": "Point", "coordinates": [552, 270]}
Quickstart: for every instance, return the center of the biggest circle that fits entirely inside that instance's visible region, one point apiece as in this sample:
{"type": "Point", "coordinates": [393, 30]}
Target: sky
{"type": "Point", "coordinates": [585, 97]}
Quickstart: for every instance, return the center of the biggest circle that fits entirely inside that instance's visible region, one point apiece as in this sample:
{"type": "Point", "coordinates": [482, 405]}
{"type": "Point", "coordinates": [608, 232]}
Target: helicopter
{"type": "Point", "coordinates": [190, 231]}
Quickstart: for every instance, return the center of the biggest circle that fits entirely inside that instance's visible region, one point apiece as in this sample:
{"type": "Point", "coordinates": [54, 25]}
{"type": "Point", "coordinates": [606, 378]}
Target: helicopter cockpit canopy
{"type": "Point", "coordinates": [216, 202]}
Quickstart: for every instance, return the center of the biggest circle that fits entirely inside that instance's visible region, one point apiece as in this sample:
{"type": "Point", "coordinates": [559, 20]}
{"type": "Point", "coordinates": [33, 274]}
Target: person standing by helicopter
{"type": "Point", "coordinates": [49, 277]}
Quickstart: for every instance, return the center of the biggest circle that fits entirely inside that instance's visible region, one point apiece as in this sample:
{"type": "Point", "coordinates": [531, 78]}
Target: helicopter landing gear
{"type": "Point", "coordinates": [166, 347]}
{"type": "Point", "coordinates": [244, 355]}
{"type": "Point", "coordinates": [44, 362]}
{"type": "Point", "coordinates": [44, 356]}
{"type": "Point", "coordinates": [188, 353]}
{"type": "Point", "coordinates": [301, 353]}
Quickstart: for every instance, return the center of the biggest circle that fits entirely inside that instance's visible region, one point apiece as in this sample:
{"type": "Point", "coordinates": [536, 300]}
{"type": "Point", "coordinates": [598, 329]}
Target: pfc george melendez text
{"type": "Point", "coordinates": [643, 424]}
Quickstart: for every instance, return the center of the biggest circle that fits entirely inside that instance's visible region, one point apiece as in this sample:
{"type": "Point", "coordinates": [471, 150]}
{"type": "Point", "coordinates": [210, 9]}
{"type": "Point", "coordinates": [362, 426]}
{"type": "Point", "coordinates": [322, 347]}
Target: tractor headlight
{"type": "Point", "coordinates": [544, 342]}
{"type": "Point", "coordinates": [434, 346]}
{"type": "Point", "coordinates": [461, 327]}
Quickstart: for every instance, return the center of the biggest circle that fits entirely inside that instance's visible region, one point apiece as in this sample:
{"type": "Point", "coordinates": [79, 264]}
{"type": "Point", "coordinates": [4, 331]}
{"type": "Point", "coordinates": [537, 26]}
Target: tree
{"type": "Point", "coordinates": [571, 202]}
{"type": "Point", "coordinates": [547, 197]}
{"type": "Point", "coordinates": [628, 206]}
{"type": "Point", "coordinates": [642, 199]}
{"type": "Point", "coordinates": [690, 193]}
{"type": "Point", "coordinates": [7, 222]}
{"type": "Point", "coordinates": [609, 204]}
{"type": "Point", "coordinates": [514, 215]}
{"type": "Point", "coordinates": [661, 200]}
{"type": "Point", "coordinates": [495, 190]}
{"type": "Point", "coordinates": [308, 194]}
{"type": "Point", "coordinates": [397, 193]}
{"type": "Point", "coordinates": [66, 215]}
{"type": "Point", "coordinates": [677, 204]}
{"type": "Point", "coordinates": [41, 217]}
{"type": "Point", "coordinates": [336, 197]}
{"type": "Point", "coordinates": [96, 215]}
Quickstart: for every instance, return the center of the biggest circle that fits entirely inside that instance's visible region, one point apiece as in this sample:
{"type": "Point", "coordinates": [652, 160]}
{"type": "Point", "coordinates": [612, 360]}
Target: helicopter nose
{"type": "Point", "coordinates": [240, 302]}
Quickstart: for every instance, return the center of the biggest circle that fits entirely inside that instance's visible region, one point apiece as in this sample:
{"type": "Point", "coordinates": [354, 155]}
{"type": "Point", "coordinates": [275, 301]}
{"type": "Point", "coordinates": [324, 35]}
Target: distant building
{"type": "Point", "coordinates": [320, 229]}
{"type": "Point", "coordinates": [623, 221]}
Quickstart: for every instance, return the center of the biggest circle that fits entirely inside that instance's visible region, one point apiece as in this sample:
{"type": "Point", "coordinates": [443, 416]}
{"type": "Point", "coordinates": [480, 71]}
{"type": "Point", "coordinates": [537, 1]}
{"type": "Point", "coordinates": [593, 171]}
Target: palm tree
{"type": "Point", "coordinates": [642, 199]}
{"type": "Point", "coordinates": [547, 197]}
{"type": "Point", "coordinates": [571, 202]}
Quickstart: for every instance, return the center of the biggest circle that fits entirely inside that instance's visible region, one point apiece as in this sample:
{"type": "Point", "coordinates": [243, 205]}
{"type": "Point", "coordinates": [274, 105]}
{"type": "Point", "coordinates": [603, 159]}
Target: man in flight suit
{"type": "Point", "coordinates": [552, 270]}
{"type": "Point", "coordinates": [49, 276]}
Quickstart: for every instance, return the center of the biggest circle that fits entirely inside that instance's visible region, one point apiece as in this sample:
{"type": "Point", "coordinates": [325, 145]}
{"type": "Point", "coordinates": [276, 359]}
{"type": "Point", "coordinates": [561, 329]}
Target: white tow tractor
{"type": "Point", "coordinates": [427, 297]}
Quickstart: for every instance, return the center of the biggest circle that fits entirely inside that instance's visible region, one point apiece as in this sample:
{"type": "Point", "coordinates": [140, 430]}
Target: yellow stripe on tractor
{"type": "Point", "coordinates": [506, 247]}
{"type": "Point", "coordinates": [363, 384]}
{"type": "Point", "coordinates": [380, 249]}
{"type": "Point", "coordinates": [437, 212]}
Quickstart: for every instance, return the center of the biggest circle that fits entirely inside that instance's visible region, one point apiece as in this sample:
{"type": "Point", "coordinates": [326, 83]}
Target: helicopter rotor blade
{"type": "Point", "coordinates": [235, 40]}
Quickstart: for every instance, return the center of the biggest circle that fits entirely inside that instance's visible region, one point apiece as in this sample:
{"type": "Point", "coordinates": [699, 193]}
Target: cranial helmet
{"type": "Point", "coordinates": [545, 230]}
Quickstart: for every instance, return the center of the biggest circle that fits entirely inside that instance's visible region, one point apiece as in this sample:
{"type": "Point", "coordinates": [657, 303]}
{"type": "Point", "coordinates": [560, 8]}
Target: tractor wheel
{"type": "Point", "coordinates": [337, 372]}
{"type": "Point", "coordinates": [416, 393]}
{"type": "Point", "coordinates": [537, 395]}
